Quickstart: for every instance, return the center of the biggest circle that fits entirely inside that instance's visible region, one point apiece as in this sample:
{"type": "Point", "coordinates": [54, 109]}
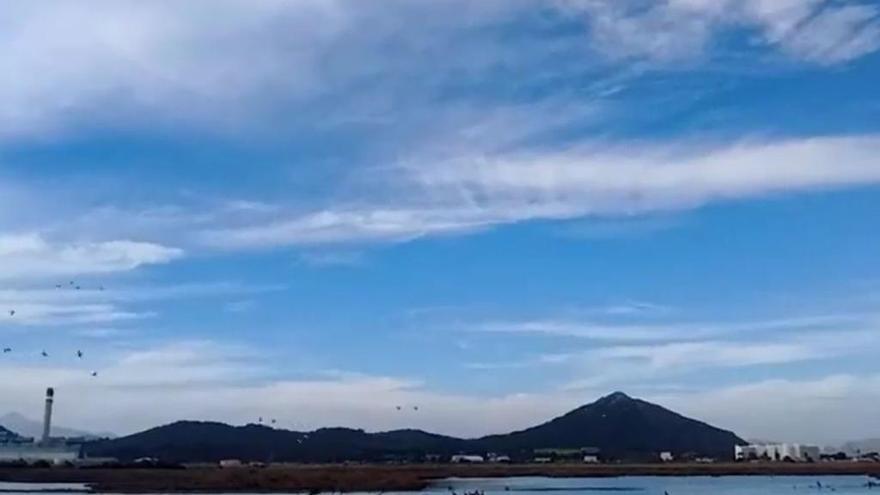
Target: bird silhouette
{"type": "Point", "coordinates": [79, 354]}
{"type": "Point", "coordinates": [44, 354]}
{"type": "Point", "coordinates": [7, 350]}
{"type": "Point", "coordinates": [11, 312]}
{"type": "Point", "coordinates": [94, 373]}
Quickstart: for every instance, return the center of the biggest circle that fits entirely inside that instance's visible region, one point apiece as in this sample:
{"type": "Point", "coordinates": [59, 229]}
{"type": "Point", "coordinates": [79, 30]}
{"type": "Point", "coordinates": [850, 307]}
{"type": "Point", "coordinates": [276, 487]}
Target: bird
{"type": "Point", "coordinates": [70, 283]}
{"type": "Point", "coordinates": [415, 408]}
{"type": "Point", "coordinates": [398, 408]}
{"type": "Point", "coordinates": [273, 421]}
{"type": "Point", "coordinates": [7, 350]}
{"type": "Point", "coordinates": [78, 287]}
{"type": "Point", "coordinates": [11, 312]}
{"type": "Point", "coordinates": [94, 373]}
{"type": "Point", "coordinates": [45, 354]}
{"type": "Point", "coordinates": [57, 286]}
{"type": "Point", "coordinates": [79, 354]}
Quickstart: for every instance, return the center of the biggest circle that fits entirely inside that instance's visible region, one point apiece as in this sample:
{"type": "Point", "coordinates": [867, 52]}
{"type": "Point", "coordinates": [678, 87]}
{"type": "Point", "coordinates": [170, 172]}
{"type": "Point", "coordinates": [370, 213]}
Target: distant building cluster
{"type": "Point", "coordinates": [787, 452]}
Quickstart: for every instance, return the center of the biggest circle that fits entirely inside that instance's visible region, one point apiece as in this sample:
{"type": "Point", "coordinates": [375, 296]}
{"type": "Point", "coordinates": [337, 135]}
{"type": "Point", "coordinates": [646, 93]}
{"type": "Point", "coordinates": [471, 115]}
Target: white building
{"type": "Point", "coordinates": [467, 459]}
{"type": "Point", "coordinates": [777, 452]}
{"type": "Point", "coordinates": [667, 456]}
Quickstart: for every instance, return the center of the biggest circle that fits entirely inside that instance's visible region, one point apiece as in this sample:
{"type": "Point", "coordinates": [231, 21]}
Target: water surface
{"type": "Point", "coordinates": [673, 485]}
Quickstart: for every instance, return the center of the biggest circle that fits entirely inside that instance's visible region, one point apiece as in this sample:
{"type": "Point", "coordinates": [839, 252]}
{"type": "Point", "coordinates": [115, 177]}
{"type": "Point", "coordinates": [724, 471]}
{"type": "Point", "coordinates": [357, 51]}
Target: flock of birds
{"type": "Point", "coordinates": [79, 353]}
{"type": "Point", "coordinates": [72, 285]}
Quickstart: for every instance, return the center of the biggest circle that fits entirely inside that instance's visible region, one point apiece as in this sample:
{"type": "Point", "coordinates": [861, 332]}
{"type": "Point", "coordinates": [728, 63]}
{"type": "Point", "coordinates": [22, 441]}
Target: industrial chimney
{"type": "Point", "coordinates": [47, 415]}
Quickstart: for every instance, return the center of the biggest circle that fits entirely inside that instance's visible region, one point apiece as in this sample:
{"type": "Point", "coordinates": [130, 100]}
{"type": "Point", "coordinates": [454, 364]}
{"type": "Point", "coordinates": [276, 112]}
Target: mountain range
{"type": "Point", "coordinates": [620, 426]}
{"type": "Point", "coordinates": [27, 427]}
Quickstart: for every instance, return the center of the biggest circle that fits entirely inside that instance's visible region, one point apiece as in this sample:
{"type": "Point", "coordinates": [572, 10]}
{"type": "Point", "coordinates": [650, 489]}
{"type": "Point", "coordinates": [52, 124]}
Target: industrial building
{"type": "Point", "coordinates": [15, 448]}
{"type": "Point", "coordinates": [777, 452]}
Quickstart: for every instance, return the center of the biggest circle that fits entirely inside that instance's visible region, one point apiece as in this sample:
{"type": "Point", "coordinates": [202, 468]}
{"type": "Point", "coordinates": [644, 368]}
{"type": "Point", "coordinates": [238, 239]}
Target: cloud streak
{"type": "Point", "coordinates": [32, 256]}
{"type": "Point", "coordinates": [473, 192]}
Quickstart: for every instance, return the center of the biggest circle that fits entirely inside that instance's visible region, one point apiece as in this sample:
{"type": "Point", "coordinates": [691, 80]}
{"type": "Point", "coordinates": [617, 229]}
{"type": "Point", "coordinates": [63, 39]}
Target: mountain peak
{"type": "Point", "coordinates": [615, 397]}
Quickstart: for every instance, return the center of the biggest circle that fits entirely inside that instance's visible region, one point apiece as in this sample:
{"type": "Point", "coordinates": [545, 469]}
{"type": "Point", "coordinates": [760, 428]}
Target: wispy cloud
{"type": "Point", "coordinates": [472, 192]}
{"type": "Point", "coordinates": [665, 331]}
{"type": "Point", "coordinates": [814, 31]}
{"type": "Point", "coordinates": [32, 256]}
{"type": "Point", "coordinates": [92, 303]}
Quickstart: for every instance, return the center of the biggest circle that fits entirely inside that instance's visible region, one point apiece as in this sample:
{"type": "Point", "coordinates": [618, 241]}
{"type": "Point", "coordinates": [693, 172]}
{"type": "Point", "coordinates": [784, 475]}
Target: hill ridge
{"type": "Point", "coordinates": [620, 426]}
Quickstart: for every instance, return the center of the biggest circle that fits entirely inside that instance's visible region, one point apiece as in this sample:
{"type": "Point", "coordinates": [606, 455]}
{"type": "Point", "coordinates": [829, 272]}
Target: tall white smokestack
{"type": "Point", "coordinates": [47, 415]}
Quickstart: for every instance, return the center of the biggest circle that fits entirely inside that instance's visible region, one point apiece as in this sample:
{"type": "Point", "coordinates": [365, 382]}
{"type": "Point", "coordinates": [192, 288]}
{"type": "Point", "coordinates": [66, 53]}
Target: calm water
{"type": "Point", "coordinates": [728, 485]}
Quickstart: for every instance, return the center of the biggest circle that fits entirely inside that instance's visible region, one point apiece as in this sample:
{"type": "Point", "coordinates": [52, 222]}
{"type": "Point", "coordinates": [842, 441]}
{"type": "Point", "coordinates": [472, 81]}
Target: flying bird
{"type": "Point", "coordinates": [398, 408]}
{"type": "Point", "coordinates": [11, 312]}
{"type": "Point", "coordinates": [415, 408]}
{"type": "Point", "coordinates": [57, 286]}
{"type": "Point", "coordinates": [94, 373]}
{"type": "Point", "coordinates": [79, 354]}
{"type": "Point", "coordinates": [7, 350]}
{"type": "Point", "coordinates": [44, 354]}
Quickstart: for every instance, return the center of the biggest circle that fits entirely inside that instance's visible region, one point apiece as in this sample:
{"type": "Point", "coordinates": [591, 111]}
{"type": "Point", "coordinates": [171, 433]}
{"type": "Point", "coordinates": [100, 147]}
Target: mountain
{"type": "Point", "coordinates": [29, 428]}
{"type": "Point", "coordinates": [620, 426]}
{"type": "Point", "coordinates": [210, 442]}
{"type": "Point", "coordinates": [623, 428]}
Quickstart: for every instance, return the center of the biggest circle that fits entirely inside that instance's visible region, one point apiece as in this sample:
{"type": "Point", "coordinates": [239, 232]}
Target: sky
{"type": "Point", "coordinates": [316, 211]}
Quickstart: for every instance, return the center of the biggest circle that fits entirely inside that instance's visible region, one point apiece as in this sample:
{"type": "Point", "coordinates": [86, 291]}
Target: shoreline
{"type": "Point", "coordinates": [383, 478]}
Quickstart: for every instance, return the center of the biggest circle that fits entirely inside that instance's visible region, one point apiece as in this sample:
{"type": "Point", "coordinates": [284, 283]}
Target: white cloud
{"type": "Point", "coordinates": [817, 31]}
{"type": "Point", "coordinates": [675, 31]}
{"type": "Point", "coordinates": [218, 64]}
{"type": "Point", "coordinates": [431, 195]}
{"type": "Point", "coordinates": [66, 61]}
{"type": "Point", "coordinates": [596, 331]}
{"type": "Point", "coordinates": [32, 256]}
{"type": "Point", "coordinates": [45, 305]}
{"type": "Point", "coordinates": [712, 354]}
{"type": "Point", "coordinates": [664, 331]}
{"type": "Point", "coordinates": [634, 178]}
{"type": "Point", "coordinates": [68, 314]}
{"type": "Point", "coordinates": [827, 410]}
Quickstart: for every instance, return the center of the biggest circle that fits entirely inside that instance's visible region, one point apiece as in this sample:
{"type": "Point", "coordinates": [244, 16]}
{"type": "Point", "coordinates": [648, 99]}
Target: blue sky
{"type": "Point", "coordinates": [316, 211]}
